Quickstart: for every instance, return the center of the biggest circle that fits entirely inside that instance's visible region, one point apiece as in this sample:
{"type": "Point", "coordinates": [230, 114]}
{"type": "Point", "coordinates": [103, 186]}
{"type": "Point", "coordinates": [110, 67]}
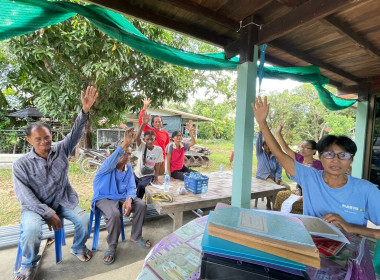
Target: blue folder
{"type": "Point", "coordinates": [221, 247]}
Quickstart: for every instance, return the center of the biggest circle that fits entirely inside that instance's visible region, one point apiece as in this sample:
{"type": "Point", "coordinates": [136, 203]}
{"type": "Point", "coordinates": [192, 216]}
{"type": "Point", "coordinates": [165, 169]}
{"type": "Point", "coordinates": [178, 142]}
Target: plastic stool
{"type": "Point", "coordinates": [60, 240]}
{"type": "Point", "coordinates": [98, 215]}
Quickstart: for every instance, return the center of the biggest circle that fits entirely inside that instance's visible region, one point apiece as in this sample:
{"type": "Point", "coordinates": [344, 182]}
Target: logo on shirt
{"type": "Point", "coordinates": [354, 208]}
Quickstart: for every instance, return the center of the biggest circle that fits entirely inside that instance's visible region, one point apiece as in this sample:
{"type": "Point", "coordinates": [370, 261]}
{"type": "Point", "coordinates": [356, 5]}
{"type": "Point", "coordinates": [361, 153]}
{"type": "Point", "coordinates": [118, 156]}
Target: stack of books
{"type": "Point", "coordinates": [269, 239]}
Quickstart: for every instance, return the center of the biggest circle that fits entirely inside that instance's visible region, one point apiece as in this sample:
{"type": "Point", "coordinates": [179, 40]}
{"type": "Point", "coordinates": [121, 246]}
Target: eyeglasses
{"type": "Point", "coordinates": [341, 155]}
{"type": "Point", "coordinates": [305, 148]}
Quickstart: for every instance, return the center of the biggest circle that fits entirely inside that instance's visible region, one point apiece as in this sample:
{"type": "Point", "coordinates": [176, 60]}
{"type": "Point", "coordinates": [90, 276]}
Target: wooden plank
{"type": "Point", "coordinates": [306, 13]}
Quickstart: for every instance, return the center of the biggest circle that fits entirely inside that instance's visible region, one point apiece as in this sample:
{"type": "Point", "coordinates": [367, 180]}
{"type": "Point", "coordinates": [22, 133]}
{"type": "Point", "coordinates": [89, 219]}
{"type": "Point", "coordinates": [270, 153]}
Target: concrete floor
{"type": "Point", "coordinates": [129, 257]}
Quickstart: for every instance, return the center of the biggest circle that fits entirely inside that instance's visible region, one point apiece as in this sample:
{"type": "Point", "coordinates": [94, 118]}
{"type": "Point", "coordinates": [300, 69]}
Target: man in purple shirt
{"type": "Point", "coordinates": [42, 187]}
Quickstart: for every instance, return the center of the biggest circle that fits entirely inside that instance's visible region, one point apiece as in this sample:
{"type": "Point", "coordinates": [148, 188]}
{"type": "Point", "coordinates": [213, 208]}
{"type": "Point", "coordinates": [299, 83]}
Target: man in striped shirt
{"type": "Point", "coordinates": [43, 189]}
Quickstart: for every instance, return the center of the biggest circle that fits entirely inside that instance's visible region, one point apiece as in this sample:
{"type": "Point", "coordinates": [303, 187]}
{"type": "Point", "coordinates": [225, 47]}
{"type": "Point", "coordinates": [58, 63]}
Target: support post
{"type": "Point", "coordinates": [244, 123]}
{"type": "Point", "coordinates": [360, 138]}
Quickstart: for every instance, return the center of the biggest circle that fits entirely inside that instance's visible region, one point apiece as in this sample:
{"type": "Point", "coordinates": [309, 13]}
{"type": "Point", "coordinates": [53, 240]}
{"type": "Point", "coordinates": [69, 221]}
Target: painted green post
{"type": "Point", "coordinates": [243, 141]}
{"type": "Point", "coordinates": [360, 138]}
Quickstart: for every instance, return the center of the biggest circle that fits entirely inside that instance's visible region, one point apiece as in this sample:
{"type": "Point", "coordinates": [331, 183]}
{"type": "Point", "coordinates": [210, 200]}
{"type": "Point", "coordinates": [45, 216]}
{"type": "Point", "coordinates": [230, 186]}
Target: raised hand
{"type": "Point", "coordinates": [260, 110]}
{"type": "Point", "coordinates": [189, 126]}
{"type": "Point", "coordinates": [88, 98]}
{"type": "Point", "coordinates": [280, 127]}
{"type": "Point", "coordinates": [128, 137]}
{"type": "Point", "coordinates": [147, 102]}
{"type": "Point", "coordinates": [145, 118]}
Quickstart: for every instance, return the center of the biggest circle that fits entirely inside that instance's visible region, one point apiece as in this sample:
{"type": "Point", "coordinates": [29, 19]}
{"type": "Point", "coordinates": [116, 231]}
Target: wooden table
{"type": "Point", "coordinates": [219, 190]}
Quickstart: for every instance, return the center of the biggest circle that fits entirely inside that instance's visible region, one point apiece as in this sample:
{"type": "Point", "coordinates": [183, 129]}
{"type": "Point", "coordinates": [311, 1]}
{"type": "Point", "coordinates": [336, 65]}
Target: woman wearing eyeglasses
{"type": "Point", "coordinates": [308, 149]}
{"type": "Point", "coordinates": [332, 195]}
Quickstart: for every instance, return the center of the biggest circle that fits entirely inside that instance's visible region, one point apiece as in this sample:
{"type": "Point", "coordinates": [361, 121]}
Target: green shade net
{"type": "Point", "coordinates": [24, 16]}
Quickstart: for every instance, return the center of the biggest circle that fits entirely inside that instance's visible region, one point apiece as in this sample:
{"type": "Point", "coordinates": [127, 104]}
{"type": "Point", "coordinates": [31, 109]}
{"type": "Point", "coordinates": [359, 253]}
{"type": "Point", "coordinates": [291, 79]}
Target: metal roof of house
{"type": "Point", "coordinates": [26, 113]}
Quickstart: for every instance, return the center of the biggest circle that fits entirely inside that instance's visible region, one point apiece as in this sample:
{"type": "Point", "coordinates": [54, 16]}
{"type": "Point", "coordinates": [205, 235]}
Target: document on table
{"type": "Point", "coordinates": [287, 205]}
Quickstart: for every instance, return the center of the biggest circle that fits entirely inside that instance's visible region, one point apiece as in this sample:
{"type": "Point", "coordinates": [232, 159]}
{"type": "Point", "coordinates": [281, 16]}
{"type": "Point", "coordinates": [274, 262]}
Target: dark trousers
{"type": "Point", "coordinates": [179, 174]}
{"type": "Point", "coordinates": [111, 213]}
{"type": "Point", "coordinates": [141, 183]}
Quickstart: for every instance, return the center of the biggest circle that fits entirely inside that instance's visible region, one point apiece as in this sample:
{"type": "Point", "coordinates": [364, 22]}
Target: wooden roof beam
{"type": "Point", "coordinates": [278, 62]}
{"type": "Point", "coordinates": [156, 19]}
{"type": "Point", "coordinates": [306, 13]}
{"type": "Point", "coordinates": [314, 61]}
{"type": "Point", "coordinates": [343, 29]}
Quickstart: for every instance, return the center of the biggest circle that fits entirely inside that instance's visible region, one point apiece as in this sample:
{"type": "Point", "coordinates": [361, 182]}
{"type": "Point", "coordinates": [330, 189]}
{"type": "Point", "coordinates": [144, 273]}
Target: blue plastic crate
{"type": "Point", "coordinates": [195, 184]}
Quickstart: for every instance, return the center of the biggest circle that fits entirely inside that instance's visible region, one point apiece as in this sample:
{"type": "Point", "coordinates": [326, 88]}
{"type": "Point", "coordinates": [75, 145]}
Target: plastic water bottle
{"type": "Point", "coordinates": [167, 182]}
{"type": "Point", "coordinates": [376, 257]}
{"type": "Point", "coordinates": [204, 190]}
{"type": "Point", "coordinates": [220, 170]}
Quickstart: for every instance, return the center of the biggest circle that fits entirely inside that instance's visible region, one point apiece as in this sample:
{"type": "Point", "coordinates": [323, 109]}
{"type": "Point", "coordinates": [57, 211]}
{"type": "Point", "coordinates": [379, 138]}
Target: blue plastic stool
{"type": "Point", "coordinates": [98, 215]}
{"type": "Point", "coordinates": [60, 240]}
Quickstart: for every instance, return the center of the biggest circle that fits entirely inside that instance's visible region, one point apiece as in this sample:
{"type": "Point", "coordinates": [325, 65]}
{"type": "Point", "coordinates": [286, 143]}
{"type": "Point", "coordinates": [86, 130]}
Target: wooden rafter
{"type": "Point", "coordinates": [306, 13]}
{"type": "Point", "coordinates": [343, 29]}
{"type": "Point", "coordinates": [154, 18]}
{"type": "Point", "coordinates": [301, 55]}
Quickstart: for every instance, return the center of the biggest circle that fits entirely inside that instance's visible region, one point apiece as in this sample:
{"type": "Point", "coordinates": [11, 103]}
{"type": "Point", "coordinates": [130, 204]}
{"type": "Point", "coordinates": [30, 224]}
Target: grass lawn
{"type": "Point", "coordinates": [82, 183]}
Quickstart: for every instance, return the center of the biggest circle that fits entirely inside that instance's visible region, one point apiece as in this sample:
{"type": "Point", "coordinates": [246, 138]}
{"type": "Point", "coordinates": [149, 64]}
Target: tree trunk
{"type": "Point", "coordinates": [86, 140]}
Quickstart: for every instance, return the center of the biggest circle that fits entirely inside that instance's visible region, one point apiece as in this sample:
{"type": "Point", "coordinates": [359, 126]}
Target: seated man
{"type": "Point", "coordinates": [42, 186]}
{"type": "Point", "coordinates": [268, 167]}
{"type": "Point", "coordinates": [114, 185]}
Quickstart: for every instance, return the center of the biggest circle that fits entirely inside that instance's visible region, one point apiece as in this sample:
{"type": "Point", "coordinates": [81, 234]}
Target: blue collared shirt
{"type": "Point", "coordinates": [266, 166]}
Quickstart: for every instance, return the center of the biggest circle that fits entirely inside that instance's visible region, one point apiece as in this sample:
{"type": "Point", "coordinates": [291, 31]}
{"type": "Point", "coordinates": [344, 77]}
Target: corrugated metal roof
{"type": "Point", "coordinates": [26, 113]}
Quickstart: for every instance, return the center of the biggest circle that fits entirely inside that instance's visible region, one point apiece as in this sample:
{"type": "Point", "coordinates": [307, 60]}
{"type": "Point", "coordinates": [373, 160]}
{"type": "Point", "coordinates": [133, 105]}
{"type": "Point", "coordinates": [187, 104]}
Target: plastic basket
{"type": "Point", "coordinates": [195, 184]}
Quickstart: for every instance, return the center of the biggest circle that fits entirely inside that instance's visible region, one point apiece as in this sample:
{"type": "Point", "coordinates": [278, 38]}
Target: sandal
{"type": "Point", "coordinates": [22, 276]}
{"type": "Point", "coordinates": [142, 243]}
{"type": "Point", "coordinates": [109, 253]}
{"type": "Point", "coordinates": [86, 253]}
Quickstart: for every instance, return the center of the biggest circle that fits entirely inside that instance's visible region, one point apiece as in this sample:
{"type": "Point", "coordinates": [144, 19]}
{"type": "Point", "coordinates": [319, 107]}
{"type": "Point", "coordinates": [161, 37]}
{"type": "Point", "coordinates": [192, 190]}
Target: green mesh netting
{"type": "Point", "coordinates": [23, 16]}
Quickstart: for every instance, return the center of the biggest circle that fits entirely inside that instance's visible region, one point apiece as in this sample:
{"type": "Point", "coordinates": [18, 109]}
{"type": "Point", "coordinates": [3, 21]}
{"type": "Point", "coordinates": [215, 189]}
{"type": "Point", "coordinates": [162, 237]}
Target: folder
{"type": "Point", "coordinates": [277, 235]}
{"type": "Point", "coordinates": [220, 247]}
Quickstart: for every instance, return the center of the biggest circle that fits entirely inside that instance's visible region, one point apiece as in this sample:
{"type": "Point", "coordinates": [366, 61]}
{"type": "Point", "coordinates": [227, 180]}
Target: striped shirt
{"type": "Point", "coordinates": [42, 185]}
{"type": "Point", "coordinates": [266, 166]}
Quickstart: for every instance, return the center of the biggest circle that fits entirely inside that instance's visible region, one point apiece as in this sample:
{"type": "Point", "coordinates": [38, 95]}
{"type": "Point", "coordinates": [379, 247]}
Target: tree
{"type": "Point", "coordinates": [55, 63]}
{"type": "Point", "coordinates": [306, 117]}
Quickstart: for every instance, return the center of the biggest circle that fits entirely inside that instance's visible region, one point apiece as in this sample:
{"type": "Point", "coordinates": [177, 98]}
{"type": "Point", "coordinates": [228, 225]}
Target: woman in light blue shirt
{"type": "Point", "coordinates": [332, 195]}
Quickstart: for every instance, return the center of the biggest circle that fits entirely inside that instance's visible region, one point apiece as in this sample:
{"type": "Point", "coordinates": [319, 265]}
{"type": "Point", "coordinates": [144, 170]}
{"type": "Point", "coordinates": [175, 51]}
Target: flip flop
{"type": "Point", "coordinates": [108, 254]}
{"type": "Point", "coordinates": [85, 252]}
{"type": "Point", "coordinates": [18, 273]}
{"type": "Point", "coordinates": [142, 243]}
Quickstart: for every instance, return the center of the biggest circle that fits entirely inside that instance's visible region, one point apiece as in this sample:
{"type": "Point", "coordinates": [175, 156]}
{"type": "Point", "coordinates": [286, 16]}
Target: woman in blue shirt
{"type": "Point", "coordinates": [332, 195]}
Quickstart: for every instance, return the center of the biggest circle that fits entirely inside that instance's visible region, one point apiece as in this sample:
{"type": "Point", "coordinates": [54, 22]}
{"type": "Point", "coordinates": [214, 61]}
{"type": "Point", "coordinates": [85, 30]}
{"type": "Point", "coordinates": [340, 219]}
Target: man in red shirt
{"type": "Point", "coordinates": [162, 136]}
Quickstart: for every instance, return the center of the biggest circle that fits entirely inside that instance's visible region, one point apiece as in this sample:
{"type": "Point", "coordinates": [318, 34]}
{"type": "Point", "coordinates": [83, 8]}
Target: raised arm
{"type": "Point", "coordinates": [72, 139]}
{"type": "Point", "coordinates": [282, 142]}
{"type": "Point", "coordinates": [144, 120]}
{"type": "Point", "coordinates": [189, 128]}
{"type": "Point", "coordinates": [146, 102]}
{"type": "Point", "coordinates": [260, 110]}
{"type": "Point", "coordinates": [110, 163]}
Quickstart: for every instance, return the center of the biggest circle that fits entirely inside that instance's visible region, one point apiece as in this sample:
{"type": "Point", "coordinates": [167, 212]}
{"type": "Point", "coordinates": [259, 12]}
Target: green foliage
{"type": "Point", "coordinates": [223, 114]}
{"type": "Point", "coordinates": [305, 116]}
{"type": "Point", "coordinates": [57, 62]}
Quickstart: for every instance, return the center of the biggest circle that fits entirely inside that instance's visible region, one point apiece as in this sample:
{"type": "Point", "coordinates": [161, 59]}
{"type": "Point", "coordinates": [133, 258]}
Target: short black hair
{"type": "Point", "coordinates": [34, 125]}
{"type": "Point", "coordinates": [312, 143]}
{"type": "Point", "coordinates": [175, 133]}
{"type": "Point", "coordinates": [342, 141]}
{"type": "Point", "coordinates": [149, 132]}
{"type": "Point", "coordinates": [153, 117]}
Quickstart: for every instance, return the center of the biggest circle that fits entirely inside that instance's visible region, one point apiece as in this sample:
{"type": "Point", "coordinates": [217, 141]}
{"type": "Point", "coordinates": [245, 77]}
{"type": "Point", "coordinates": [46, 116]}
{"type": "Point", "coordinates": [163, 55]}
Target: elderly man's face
{"type": "Point", "coordinates": [124, 159]}
{"type": "Point", "coordinates": [40, 138]}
